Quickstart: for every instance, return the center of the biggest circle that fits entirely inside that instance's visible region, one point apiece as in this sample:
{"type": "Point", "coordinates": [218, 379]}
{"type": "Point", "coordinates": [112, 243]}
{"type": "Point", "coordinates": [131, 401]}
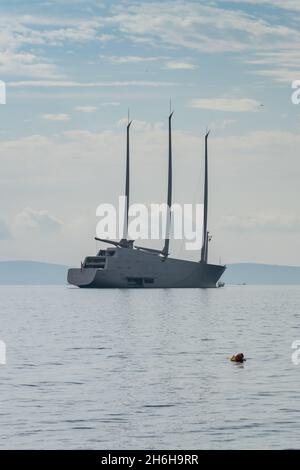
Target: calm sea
{"type": "Point", "coordinates": [135, 369]}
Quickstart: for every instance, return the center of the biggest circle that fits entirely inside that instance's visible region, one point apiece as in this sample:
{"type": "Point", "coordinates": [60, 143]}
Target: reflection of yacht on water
{"type": "Point", "coordinates": [124, 265]}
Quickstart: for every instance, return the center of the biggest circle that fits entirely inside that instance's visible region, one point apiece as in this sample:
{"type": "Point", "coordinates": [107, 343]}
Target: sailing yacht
{"type": "Point", "coordinates": [124, 265]}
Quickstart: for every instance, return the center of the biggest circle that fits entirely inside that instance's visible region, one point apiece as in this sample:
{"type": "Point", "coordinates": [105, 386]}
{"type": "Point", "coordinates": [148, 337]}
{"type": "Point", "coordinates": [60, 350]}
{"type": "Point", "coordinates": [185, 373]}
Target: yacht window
{"type": "Point", "coordinates": [135, 281]}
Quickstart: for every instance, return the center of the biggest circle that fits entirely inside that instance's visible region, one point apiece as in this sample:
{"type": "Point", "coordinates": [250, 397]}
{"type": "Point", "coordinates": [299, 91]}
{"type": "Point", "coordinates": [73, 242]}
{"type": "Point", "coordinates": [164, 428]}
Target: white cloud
{"type": "Point", "coordinates": [56, 117]}
{"type": "Point", "coordinates": [111, 103]}
{"type": "Point", "coordinates": [181, 66]}
{"type": "Point", "coordinates": [226, 104]}
{"type": "Point", "coordinates": [129, 59]}
{"type": "Point", "coordinates": [26, 64]}
{"type": "Point", "coordinates": [74, 84]}
{"type": "Point", "coordinates": [223, 124]}
{"type": "Point", "coordinates": [209, 28]}
{"type": "Point", "coordinates": [282, 65]}
{"type": "Point", "coordinates": [280, 74]}
{"type": "Point", "coordinates": [86, 109]}
{"type": "Point", "coordinates": [262, 222]}
{"type": "Point", "coordinates": [138, 125]}
{"type": "Point", "coordinates": [246, 171]}
{"type": "Point", "coordinates": [37, 220]}
{"type": "Point", "coordinates": [203, 27]}
{"type": "Point", "coordinates": [37, 30]}
{"type": "Point", "coordinates": [20, 32]}
{"type": "Point", "coordinates": [292, 5]}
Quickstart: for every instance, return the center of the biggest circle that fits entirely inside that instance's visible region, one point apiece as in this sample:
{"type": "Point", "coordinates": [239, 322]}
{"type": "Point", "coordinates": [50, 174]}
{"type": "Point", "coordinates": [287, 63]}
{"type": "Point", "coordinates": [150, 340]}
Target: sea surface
{"type": "Point", "coordinates": [149, 369]}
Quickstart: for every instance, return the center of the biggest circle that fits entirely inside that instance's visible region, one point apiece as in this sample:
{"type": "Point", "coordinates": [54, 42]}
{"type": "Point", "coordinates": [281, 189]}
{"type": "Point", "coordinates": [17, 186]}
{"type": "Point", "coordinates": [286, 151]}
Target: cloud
{"type": "Point", "coordinates": [283, 66]}
{"type": "Point", "coordinates": [4, 231]}
{"type": "Point", "coordinates": [207, 28]}
{"type": "Point", "coordinates": [211, 29]}
{"type": "Point", "coordinates": [262, 222]}
{"type": "Point", "coordinates": [129, 59]}
{"type": "Point", "coordinates": [181, 66]}
{"type": "Point", "coordinates": [86, 109]}
{"type": "Point", "coordinates": [138, 125]}
{"type": "Point", "coordinates": [26, 64]}
{"type": "Point", "coordinates": [226, 104]}
{"type": "Point", "coordinates": [37, 220]}
{"type": "Point", "coordinates": [223, 124]}
{"type": "Point", "coordinates": [20, 32]}
{"type": "Point", "coordinates": [280, 74]}
{"type": "Point", "coordinates": [74, 84]}
{"type": "Point", "coordinates": [43, 30]}
{"type": "Point", "coordinates": [247, 172]}
{"type": "Point", "coordinates": [201, 27]}
{"type": "Point", "coordinates": [56, 117]}
{"type": "Point", "coordinates": [292, 5]}
{"type": "Point", "coordinates": [111, 103]}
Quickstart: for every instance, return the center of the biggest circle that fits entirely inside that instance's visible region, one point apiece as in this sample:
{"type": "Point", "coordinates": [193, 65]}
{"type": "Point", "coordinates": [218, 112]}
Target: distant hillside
{"type": "Point", "coordinates": [32, 272]}
{"type": "Point", "coordinates": [261, 274]}
{"type": "Point", "coordinates": [35, 273]}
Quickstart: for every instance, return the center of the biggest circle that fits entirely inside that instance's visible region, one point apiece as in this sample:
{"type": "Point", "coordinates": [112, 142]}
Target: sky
{"type": "Point", "coordinates": [72, 68]}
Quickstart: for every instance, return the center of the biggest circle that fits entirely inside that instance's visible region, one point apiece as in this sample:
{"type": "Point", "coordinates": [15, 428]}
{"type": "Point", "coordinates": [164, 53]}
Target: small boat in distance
{"type": "Point", "coordinates": [125, 265]}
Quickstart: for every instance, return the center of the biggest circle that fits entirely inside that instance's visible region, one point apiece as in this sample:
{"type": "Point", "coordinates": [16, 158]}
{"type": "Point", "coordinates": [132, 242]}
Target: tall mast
{"type": "Point", "coordinates": [165, 250]}
{"type": "Point", "coordinates": [124, 242]}
{"type": "Point", "coordinates": [204, 250]}
{"type": "Point", "coordinates": [127, 187]}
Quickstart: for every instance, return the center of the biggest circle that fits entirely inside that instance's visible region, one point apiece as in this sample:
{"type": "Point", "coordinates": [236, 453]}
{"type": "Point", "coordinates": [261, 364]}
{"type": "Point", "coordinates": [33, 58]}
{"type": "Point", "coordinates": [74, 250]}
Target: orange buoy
{"type": "Point", "coordinates": [238, 358]}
